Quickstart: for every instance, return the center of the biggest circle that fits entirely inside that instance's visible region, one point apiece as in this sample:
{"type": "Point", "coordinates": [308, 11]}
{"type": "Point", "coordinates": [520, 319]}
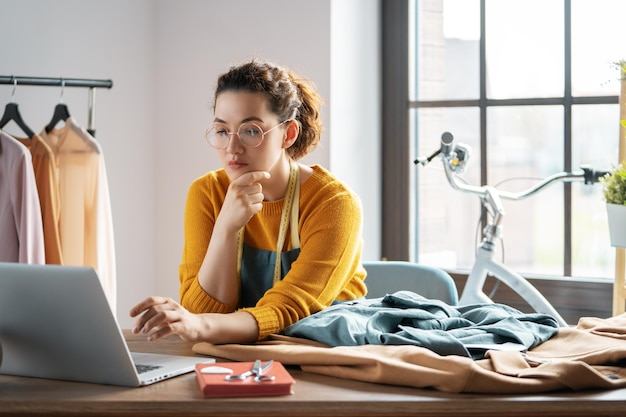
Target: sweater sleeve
{"type": "Point", "coordinates": [202, 207]}
{"type": "Point", "coordinates": [329, 265]}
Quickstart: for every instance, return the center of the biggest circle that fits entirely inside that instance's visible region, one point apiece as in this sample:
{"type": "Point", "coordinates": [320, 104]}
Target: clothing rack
{"type": "Point", "coordinates": [92, 84]}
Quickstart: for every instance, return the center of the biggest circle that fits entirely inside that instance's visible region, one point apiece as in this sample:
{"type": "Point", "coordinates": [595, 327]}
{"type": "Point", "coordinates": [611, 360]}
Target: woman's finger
{"type": "Point", "coordinates": [147, 310]}
{"type": "Point", "coordinates": [147, 304]}
{"type": "Point", "coordinates": [251, 178]}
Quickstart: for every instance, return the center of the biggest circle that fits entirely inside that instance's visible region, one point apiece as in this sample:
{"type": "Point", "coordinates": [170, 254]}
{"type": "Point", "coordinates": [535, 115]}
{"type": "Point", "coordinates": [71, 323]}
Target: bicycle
{"type": "Point", "coordinates": [454, 157]}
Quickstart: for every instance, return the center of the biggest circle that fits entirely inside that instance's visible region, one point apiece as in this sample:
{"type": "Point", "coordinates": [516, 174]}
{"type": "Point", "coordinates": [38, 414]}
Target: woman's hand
{"type": "Point", "coordinates": [161, 316]}
{"type": "Point", "coordinates": [243, 200]}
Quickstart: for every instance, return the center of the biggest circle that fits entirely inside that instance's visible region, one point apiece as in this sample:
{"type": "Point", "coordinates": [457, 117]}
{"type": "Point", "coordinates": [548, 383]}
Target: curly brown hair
{"type": "Point", "coordinates": [289, 97]}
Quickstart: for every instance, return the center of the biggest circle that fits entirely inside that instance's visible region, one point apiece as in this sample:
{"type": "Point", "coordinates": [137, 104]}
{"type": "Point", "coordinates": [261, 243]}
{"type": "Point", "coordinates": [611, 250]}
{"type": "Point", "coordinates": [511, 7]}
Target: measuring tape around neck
{"type": "Point", "coordinates": [291, 196]}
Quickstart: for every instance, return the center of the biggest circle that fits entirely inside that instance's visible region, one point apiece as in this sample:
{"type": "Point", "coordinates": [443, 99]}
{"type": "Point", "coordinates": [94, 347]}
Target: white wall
{"type": "Point", "coordinates": [164, 57]}
{"type": "Point", "coordinates": [355, 97]}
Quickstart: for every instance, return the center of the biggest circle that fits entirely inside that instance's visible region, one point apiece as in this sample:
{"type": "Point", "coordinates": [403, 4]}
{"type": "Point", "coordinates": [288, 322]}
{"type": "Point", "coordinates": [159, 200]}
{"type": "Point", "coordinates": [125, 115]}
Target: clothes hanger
{"type": "Point", "coordinates": [12, 112]}
{"type": "Point", "coordinates": [61, 112]}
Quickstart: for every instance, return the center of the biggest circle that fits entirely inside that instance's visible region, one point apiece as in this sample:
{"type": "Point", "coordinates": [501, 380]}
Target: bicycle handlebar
{"type": "Point", "coordinates": [450, 156]}
{"type": "Point", "coordinates": [591, 175]}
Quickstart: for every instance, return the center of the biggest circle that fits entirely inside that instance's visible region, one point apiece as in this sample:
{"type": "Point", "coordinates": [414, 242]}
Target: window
{"type": "Point", "coordinates": [531, 86]}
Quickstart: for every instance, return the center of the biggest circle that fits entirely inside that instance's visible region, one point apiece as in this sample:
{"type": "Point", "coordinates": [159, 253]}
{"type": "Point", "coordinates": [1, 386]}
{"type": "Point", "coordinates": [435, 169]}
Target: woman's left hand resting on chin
{"type": "Point", "coordinates": [158, 317]}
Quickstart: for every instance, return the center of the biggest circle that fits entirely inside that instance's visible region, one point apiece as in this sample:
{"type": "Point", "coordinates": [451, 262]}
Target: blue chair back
{"type": "Point", "coordinates": [386, 277]}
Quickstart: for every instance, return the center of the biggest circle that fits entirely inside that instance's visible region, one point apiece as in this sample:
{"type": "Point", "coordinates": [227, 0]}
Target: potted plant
{"type": "Point", "coordinates": [614, 184]}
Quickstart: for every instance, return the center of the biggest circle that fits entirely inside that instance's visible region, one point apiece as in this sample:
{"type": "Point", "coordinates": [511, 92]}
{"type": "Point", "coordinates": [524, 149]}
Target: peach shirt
{"type": "Point", "coordinates": [45, 169]}
{"type": "Point", "coordinates": [85, 224]}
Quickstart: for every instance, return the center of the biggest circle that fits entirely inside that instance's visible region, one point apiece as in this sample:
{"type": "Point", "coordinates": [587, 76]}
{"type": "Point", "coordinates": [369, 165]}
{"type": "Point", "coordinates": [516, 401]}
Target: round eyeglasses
{"type": "Point", "coordinates": [249, 134]}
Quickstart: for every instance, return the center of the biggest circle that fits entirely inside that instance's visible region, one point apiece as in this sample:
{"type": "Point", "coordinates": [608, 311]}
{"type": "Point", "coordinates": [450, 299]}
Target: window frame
{"type": "Point", "coordinates": [398, 242]}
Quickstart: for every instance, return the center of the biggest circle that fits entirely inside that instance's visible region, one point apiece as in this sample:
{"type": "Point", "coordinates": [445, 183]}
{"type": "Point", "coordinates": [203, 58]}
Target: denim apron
{"type": "Point", "coordinates": [260, 269]}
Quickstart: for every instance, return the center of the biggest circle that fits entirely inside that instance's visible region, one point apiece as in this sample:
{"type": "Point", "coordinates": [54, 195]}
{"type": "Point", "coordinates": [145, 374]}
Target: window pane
{"type": "Point", "coordinates": [594, 142]}
{"type": "Point", "coordinates": [525, 51]}
{"type": "Point", "coordinates": [525, 145]}
{"type": "Point", "coordinates": [446, 218]}
{"type": "Point", "coordinates": [524, 48]}
{"type": "Point", "coordinates": [447, 49]}
{"type": "Point", "coordinates": [597, 43]}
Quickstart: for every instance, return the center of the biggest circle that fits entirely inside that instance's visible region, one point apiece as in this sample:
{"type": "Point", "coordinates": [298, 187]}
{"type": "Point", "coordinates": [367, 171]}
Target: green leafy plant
{"type": "Point", "coordinates": [615, 181]}
{"type": "Point", "coordinates": [614, 184]}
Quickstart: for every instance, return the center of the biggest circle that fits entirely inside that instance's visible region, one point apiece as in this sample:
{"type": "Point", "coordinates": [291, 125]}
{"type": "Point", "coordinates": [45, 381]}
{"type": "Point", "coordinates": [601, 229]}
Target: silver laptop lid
{"type": "Point", "coordinates": [55, 322]}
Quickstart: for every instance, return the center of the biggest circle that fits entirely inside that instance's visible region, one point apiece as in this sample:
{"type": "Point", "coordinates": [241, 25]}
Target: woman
{"type": "Point", "coordinates": [233, 287]}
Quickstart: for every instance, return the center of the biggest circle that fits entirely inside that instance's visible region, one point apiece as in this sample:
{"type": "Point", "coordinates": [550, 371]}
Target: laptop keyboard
{"type": "Point", "coordinates": [145, 368]}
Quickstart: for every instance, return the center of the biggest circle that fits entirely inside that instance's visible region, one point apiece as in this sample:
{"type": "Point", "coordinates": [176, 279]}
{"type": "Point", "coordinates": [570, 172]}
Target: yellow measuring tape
{"type": "Point", "coordinates": [289, 212]}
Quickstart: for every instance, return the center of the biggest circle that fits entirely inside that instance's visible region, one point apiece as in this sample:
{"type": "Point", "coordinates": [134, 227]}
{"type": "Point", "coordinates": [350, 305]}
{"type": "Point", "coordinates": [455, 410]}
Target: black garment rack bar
{"type": "Point", "coordinates": [92, 84]}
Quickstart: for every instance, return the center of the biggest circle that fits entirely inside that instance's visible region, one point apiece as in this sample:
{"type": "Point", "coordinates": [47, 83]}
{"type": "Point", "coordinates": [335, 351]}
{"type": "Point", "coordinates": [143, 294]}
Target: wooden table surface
{"type": "Point", "coordinates": [314, 395]}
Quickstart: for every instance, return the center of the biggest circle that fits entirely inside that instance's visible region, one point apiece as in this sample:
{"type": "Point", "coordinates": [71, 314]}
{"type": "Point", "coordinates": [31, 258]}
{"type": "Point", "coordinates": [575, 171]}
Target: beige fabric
{"type": "Point", "coordinates": [21, 230]}
{"type": "Point", "coordinates": [577, 359]}
{"type": "Point", "coordinates": [85, 225]}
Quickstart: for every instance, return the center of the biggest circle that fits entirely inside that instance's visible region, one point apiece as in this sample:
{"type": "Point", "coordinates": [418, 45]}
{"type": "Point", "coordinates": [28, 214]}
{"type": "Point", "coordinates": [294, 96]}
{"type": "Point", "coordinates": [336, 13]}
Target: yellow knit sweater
{"type": "Point", "coordinates": [327, 269]}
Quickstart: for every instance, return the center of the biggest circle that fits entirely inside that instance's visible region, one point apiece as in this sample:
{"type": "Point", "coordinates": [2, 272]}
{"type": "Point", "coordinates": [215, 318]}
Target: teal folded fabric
{"type": "Point", "coordinates": [407, 318]}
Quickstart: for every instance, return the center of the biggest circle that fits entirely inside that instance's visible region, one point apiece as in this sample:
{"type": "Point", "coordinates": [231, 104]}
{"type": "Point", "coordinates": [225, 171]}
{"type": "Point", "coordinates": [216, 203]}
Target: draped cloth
{"type": "Point", "coordinates": [407, 318]}
{"type": "Point", "coordinates": [590, 356]}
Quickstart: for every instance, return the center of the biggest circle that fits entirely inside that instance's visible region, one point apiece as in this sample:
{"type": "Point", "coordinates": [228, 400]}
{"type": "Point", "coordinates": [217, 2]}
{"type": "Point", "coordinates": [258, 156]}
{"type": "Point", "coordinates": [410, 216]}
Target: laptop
{"type": "Point", "coordinates": [56, 323]}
